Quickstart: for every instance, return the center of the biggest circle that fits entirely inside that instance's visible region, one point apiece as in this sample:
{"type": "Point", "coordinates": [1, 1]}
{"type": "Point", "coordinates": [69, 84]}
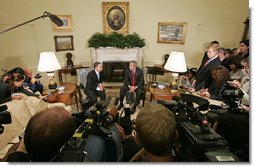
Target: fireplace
{"type": "Point", "coordinates": [115, 61]}
{"type": "Point", "coordinates": [113, 71]}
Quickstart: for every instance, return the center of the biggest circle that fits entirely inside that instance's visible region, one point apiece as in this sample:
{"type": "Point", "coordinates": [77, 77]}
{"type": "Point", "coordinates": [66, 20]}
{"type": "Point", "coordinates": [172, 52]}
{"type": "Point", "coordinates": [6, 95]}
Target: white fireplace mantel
{"type": "Point", "coordinates": [110, 54]}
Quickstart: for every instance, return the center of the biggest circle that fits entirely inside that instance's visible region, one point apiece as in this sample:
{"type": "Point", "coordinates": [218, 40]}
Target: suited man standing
{"type": "Point", "coordinates": [133, 82]}
{"type": "Point", "coordinates": [94, 87]}
{"type": "Point", "coordinates": [204, 75]}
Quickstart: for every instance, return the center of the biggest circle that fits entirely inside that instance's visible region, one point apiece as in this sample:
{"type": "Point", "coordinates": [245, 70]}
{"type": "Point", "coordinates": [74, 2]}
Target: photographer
{"type": "Point", "coordinates": [244, 85]}
{"type": "Point", "coordinates": [32, 83]}
{"type": "Point", "coordinates": [45, 134]}
{"type": "Point", "coordinates": [156, 131]}
{"type": "Point", "coordinates": [220, 75]}
{"type": "Point", "coordinates": [234, 127]}
{"type": "Point", "coordinates": [101, 134]}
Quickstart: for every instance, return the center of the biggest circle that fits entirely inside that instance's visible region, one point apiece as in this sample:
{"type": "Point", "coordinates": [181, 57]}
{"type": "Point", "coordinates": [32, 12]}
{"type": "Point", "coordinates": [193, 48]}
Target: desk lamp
{"type": "Point", "coordinates": [176, 64]}
{"type": "Point", "coordinates": [49, 63]}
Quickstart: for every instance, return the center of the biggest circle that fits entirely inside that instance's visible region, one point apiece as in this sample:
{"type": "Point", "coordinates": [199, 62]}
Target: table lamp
{"type": "Point", "coordinates": [176, 64]}
{"type": "Point", "coordinates": [49, 63]}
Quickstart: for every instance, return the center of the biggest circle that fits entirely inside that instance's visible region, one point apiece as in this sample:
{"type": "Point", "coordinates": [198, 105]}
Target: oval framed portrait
{"type": "Point", "coordinates": [115, 17]}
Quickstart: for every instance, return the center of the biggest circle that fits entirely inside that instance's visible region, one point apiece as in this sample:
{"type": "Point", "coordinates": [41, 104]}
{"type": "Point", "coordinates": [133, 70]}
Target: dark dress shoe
{"type": "Point", "coordinates": [120, 106]}
{"type": "Point", "coordinates": [133, 109]}
{"type": "Point", "coordinates": [117, 99]}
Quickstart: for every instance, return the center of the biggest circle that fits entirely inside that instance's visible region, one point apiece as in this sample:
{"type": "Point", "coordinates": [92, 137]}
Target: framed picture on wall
{"type": "Point", "coordinates": [63, 43]}
{"type": "Point", "coordinates": [115, 17]}
{"type": "Point", "coordinates": [67, 24]}
{"type": "Point", "coordinates": [172, 32]}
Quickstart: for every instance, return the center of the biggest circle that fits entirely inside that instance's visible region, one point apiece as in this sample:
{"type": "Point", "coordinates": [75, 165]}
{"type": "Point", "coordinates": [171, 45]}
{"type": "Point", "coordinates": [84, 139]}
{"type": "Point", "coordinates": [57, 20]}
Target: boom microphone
{"type": "Point", "coordinates": [54, 19]}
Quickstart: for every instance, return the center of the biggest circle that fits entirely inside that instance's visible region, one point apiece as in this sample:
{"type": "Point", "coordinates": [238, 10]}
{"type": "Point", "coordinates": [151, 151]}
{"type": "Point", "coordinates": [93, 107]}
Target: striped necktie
{"type": "Point", "coordinates": [208, 61]}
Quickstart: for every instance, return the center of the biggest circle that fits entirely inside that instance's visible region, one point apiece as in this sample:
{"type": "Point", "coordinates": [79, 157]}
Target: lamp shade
{"type": "Point", "coordinates": [48, 62]}
{"type": "Point", "coordinates": [176, 62]}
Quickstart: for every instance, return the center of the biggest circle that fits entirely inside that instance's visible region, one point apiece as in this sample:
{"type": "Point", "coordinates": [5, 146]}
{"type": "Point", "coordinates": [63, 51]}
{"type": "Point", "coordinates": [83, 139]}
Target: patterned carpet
{"type": "Point", "coordinates": [113, 92]}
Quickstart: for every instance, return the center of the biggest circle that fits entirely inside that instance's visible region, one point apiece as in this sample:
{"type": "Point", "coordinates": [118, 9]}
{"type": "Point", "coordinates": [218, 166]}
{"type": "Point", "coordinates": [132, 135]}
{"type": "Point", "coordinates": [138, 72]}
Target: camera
{"type": "Point", "coordinates": [37, 76]}
{"type": "Point", "coordinates": [96, 139]}
{"type": "Point", "coordinates": [232, 97]}
{"type": "Point", "coordinates": [198, 142]}
{"type": "Point", "coordinates": [5, 117]}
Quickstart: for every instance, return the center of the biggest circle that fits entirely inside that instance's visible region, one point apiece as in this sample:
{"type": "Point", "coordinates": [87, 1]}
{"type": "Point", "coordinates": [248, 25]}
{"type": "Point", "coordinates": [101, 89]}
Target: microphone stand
{"type": "Point", "coordinates": [45, 14]}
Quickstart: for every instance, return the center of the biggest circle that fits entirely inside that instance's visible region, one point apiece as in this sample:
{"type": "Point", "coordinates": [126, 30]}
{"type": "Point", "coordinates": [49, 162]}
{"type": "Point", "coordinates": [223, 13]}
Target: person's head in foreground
{"type": "Point", "coordinates": [156, 131]}
{"type": "Point", "coordinates": [46, 133]}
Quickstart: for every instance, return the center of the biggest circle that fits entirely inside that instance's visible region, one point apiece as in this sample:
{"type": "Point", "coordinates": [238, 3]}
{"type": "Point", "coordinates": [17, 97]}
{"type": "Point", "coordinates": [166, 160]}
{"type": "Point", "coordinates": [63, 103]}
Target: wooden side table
{"type": "Point", "coordinates": [155, 70]}
{"type": "Point", "coordinates": [66, 70]}
{"type": "Point", "coordinates": [161, 94]}
{"type": "Point", "coordinates": [67, 95]}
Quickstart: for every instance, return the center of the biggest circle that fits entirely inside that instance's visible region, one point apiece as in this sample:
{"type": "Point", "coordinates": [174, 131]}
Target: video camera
{"type": "Point", "coordinates": [5, 117]}
{"type": "Point", "coordinates": [96, 138]}
{"type": "Point", "coordinates": [198, 142]}
{"type": "Point", "coordinates": [232, 98]}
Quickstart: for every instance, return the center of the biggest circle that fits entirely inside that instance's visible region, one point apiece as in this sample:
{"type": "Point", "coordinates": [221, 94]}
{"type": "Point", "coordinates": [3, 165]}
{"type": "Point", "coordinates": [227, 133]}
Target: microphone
{"type": "Point", "coordinates": [54, 19]}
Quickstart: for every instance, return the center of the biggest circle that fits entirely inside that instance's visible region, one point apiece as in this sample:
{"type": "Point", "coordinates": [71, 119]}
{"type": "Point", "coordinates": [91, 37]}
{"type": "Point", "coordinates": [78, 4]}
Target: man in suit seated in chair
{"type": "Point", "coordinates": [133, 82]}
{"type": "Point", "coordinates": [94, 87]}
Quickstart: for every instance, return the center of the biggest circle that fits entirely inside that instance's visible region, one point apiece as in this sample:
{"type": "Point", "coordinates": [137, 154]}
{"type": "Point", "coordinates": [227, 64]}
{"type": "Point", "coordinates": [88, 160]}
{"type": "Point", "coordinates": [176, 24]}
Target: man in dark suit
{"type": "Point", "coordinates": [204, 75]}
{"type": "Point", "coordinates": [205, 57]}
{"type": "Point", "coordinates": [133, 82]}
{"type": "Point", "coordinates": [94, 87]}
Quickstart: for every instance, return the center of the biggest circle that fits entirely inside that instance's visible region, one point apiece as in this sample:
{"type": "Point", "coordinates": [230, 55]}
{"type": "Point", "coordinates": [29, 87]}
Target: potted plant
{"type": "Point", "coordinates": [116, 40]}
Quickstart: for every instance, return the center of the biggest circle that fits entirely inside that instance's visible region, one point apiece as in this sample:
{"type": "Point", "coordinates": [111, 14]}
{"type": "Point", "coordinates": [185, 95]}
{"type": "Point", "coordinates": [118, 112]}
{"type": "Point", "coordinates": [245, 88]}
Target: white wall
{"type": "Point", "coordinates": [207, 20]}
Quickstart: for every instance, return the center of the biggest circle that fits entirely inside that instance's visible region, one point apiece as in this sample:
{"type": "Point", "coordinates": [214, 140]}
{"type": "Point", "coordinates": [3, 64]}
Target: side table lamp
{"type": "Point", "coordinates": [49, 63]}
{"type": "Point", "coordinates": [176, 64]}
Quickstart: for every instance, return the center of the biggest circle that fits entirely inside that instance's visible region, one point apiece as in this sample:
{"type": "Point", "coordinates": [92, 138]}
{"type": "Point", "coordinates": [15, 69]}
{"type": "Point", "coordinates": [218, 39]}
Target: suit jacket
{"type": "Point", "coordinates": [204, 76]}
{"type": "Point", "coordinates": [139, 78]}
{"type": "Point", "coordinates": [204, 59]}
{"type": "Point", "coordinates": [92, 81]}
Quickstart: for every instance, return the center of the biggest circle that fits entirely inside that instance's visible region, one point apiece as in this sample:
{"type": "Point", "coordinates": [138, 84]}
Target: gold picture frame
{"type": "Point", "coordinates": [63, 42]}
{"type": "Point", "coordinates": [67, 24]}
{"type": "Point", "coordinates": [115, 17]}
{"type": "Point", "coordinates": [172, 32]}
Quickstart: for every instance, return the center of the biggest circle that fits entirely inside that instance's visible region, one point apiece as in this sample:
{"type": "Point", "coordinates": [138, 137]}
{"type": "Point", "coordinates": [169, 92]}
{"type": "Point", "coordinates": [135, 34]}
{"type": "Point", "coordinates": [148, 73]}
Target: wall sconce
{"type": "Point", "coordinates": [49, 63]}
{"type": "Point", "coordinates": [176, 64]}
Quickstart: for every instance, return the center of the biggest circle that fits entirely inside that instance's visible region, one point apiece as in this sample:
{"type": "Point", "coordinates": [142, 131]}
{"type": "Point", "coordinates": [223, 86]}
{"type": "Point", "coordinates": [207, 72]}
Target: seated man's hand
{"type": "Point", "coordinates": [133, 88]}
{"type": "Point", "coordinates": [101, 86]}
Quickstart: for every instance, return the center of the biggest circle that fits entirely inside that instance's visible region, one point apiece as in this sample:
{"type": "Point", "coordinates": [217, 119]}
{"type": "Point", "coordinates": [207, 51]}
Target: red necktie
{"type": "Point", "coordinates": [132, 78]}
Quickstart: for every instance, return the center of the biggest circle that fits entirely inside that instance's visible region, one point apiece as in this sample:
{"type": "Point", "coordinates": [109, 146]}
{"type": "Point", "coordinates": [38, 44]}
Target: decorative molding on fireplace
{"type": "Point", "coordinates": [115, 54]}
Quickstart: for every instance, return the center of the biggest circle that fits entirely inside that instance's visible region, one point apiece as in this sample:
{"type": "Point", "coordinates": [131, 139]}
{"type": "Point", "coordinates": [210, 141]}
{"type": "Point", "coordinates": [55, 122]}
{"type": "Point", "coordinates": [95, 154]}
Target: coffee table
{"type": "Point", "coordinates": [161, 94]}
{"type": "Point", "coordinates": [66, 96]}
